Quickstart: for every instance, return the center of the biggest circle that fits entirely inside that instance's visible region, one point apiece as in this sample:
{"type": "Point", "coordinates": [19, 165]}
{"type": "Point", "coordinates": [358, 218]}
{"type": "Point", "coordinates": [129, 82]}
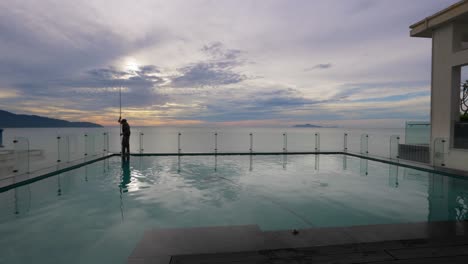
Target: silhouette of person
{"type": "Point", "coordinates": [125, 136]}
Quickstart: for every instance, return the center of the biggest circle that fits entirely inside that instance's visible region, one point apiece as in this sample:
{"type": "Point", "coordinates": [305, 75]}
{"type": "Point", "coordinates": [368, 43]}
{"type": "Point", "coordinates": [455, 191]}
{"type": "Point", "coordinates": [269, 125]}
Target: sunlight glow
{"type": "Point", "coordinates": [130, 64]}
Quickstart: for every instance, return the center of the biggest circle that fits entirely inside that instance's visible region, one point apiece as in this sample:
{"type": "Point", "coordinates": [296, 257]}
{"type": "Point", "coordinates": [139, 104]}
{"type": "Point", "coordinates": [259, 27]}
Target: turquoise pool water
{"type": "Point", "coordinates": [98, 213]}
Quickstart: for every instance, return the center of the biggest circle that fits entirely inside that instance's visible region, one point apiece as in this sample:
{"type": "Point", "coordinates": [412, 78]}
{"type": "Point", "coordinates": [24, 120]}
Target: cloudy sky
{"type": "Point", "coordinates": [217, 62]}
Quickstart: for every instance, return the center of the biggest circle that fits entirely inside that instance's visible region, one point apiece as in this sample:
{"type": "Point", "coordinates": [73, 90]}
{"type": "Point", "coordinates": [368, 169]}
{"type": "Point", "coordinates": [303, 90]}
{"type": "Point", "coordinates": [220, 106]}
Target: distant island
{"type": "Point", "coordinates": [10, 120]}
{"type": "Point", "coordinates": [306, 125]}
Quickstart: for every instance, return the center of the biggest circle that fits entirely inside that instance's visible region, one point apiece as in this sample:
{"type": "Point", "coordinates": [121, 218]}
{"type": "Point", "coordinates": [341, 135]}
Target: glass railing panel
{"type": "Point", "coordinates": [317, 142]}
{"type": "Point", "coordinates": [115, 141]}
{"type": "Point", "coordinates": [90, 145]}
{"type": "Point", "coordinates": [141, 142]}
{"type": "Point", "coordinates": [345, 142]}
{"type": "Point", "coordinates": [331, 141]}
{"type": "Point", "coordinates": [394, 147]}
{"type": "Point", "coordinates": [63, 149]}
{"type": "Point", "coordinates": [236, 141]}
{"type": "Point", "coordinates": [301, 140]}
{"type": "Point", "coordinates": [6, 154]}
{"type": "Point", "coordinates": [76, 146]}
{"type": "Point", "coordinates": [378, 145]}
{"type": "Point", "coordinates": [417, 133]}
{"type": "Point", "coordinates": [354, 142]}
{"type": "Point", "coordinates": [98, 144]}
{"type": "Point", "coordinates": [439, 152]}
{"type": "Point", "coordinates": [154, 141]}
{"type": "Point", "coordinates": [197, 142]}
{"type": "Point", "coordinates": [364, 144]}
{"type": "Point", "coordinates": [105, 143]}
{"type": "Point", "coordinates": [43, 150]}
{"type": "Point", "coordinates": [267, 141]}
{"type": "Point", "coordinates": [21, 150]}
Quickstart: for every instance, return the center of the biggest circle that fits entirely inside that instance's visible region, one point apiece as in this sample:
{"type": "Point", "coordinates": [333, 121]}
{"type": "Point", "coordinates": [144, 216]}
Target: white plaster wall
{"type": "Point", "coordinates": [445, 93]}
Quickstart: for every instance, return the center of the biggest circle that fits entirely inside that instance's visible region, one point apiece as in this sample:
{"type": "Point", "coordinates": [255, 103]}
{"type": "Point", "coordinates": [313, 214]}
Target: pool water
{"type": "Point", "coordinates": [98, 213]}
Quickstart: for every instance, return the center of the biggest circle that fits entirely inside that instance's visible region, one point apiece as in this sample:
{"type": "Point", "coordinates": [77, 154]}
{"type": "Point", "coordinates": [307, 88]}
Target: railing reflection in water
{"type": "Point", "coordinates": [90, 145]}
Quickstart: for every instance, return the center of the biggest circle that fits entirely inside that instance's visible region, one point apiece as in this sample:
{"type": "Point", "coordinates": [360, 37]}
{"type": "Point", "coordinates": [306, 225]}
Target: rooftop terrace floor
{"type": "Point", "coordinates": [440, 242]}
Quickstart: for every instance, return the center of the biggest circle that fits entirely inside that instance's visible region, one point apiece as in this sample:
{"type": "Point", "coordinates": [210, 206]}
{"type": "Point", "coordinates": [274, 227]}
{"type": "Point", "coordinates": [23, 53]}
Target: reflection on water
{"type": "Point", "coordinates": [59, 185]}
{"type": "Point", "coordinates": [393, 176]}
{"type": "Point", "coordinates": [447, 197]}
{"type": "Point", "coordinates": [275, 192]}
{"type": "Point", "coordinates": [317, 162]}
{"type": "Point", "coordinates": [364, 167]}
{"type": "Point", "coordinates": [345, 160]}
{"type": "Point", "coordinates": [126, 175]}
{"type": "Point", "coordinates": [216, 162]}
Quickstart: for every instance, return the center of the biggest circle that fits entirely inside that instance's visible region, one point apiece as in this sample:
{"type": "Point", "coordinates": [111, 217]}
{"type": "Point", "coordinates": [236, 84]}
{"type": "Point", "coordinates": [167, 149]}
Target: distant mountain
{"type": "Point", "coordinates": [306, 125]}
{"type": "Point", "coordinates": [10, 120]}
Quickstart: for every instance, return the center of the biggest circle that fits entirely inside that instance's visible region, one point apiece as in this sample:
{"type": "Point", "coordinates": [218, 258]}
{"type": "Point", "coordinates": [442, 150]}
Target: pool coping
{"type": "Point", "coordinates": [27, 178]}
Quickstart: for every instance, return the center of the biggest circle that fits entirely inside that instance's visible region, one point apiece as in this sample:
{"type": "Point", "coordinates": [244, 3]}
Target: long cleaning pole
{"type": "Point", "coordinates": [120, 100]}
{"type": "Point", "coordinates": [120, 115]}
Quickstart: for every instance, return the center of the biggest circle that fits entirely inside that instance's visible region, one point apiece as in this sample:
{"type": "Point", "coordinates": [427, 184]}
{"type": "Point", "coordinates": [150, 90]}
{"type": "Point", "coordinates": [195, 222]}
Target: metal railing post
{"type": "Point", "coordinates": [86, 144]}
{"type": "Point", "coordinates": [317, 142]}
{"type": "Point", "coordinates": [345, 142]}
{"type": "Point", "coordinates": [105, 148]}
{"type": "Point", "coordinates": [251, 143]}
{"type": "Point", "coordinates": [141, 142]}
{"type": "Point", "coordinates": [216, 143]}
{"type": "Point", "coordinates": [285, 142]}
{"type": "Point", "coordinates": [179, 150]}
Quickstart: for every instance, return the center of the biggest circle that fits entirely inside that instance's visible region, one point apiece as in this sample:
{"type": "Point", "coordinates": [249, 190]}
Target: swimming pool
{"type": "Point", "coordinates": [97, 213]}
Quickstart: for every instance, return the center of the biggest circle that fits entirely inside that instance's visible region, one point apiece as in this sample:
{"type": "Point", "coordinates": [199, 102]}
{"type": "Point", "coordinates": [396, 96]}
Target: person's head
{"type": "Point", "coordinates": [124, 121]}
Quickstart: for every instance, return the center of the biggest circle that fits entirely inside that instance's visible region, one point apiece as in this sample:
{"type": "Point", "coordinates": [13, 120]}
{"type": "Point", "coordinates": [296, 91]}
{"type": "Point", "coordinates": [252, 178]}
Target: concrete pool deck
{"type": "Point", "coordinates": [437, 242]}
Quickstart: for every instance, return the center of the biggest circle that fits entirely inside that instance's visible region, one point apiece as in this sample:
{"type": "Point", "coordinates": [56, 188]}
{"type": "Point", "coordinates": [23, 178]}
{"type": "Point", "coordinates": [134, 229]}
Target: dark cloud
{"type": "Point", "coordinates": [218, 51]}
{"type": "Point", "coordinates": [269, 104]}
{"type": "Point", "coordinates": [218, 70]}
{"type": "Point", "coordinates": [319, 67]}
{"type": "Point", "coordinates": [98, 88]}
{"type": "Point", "coordinates": [207, 74]}
{"type": "Point", "coordinates": [350, 89]}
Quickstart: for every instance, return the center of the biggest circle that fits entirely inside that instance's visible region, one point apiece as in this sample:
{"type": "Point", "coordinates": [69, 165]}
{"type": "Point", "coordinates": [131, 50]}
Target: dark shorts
{"type": "Point", "coordinates": [125, 141]}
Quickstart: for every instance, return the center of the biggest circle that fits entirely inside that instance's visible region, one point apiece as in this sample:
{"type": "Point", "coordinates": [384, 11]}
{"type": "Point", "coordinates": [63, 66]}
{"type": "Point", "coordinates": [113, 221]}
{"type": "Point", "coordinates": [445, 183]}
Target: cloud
{"type": "Point", "coordinates": [66, 59]}
{"type": "Point", "coordinates": [319, 67]}
{"type": "Point", "coordinates": [218, 70]}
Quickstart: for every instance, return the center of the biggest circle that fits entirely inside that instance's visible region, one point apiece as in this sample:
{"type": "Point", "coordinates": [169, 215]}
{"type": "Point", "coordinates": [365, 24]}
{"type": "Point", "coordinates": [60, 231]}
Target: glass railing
{"type": "Point", "coordinates": [24, 156]}
{"type": "Point", "coordinates": [66, 148]}
{"type": "Point", "coordinates": [439, 152]}
{"type": "Point", "coordinates": [417, 133]}
{"type": "Point", "coordinates": [416, 145]}
{"type": "Point", "coordinates": [21, 156]}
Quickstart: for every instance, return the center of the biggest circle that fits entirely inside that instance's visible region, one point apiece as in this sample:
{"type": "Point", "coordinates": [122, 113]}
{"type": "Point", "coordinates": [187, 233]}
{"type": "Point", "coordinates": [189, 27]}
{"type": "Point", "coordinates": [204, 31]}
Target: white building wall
{"type": "Point", "coordinates": [447, 58]}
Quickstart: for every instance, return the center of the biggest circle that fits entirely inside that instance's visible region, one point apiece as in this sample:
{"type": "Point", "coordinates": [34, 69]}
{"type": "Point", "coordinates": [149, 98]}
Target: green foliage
{"type": "Point", "coordinates": [464, 118]}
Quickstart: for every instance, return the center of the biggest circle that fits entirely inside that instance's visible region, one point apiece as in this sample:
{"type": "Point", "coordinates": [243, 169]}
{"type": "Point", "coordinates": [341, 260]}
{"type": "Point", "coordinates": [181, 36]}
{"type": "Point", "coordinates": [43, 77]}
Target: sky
{"type": "Point", "coordinates": [217, 62]}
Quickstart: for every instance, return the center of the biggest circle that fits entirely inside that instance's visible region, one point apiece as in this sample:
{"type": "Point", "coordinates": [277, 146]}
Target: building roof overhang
{"type": "Point", "coordinates": [456, 12]}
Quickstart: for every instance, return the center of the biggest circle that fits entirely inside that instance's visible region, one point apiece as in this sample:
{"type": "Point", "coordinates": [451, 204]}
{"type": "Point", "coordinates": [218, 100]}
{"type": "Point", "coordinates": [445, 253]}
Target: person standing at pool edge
{"type": "Point", "coordinates": [125, 136]}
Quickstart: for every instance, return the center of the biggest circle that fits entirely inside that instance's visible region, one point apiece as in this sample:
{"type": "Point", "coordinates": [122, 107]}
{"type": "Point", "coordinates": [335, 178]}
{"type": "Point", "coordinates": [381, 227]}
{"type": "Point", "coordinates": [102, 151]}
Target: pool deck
{"type": "Point", "coordinates": [438, 242]}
